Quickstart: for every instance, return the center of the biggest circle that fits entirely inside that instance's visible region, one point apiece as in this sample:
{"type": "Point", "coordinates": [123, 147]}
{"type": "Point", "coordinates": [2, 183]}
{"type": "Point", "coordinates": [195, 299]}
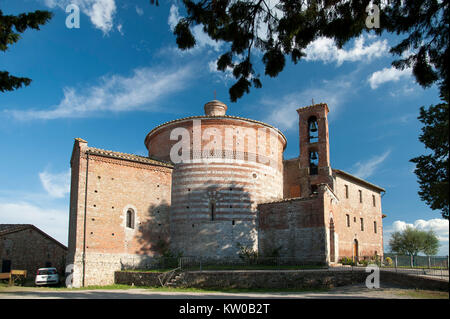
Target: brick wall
{"type": "Point", "coordinates": [214, 195]}
{"type": "Point", "coordinates": [115, 186]}
{"type": "Point", "coordinates": [295, 227]}
{"type": "Point", "coordinates": [369, 241]}
{"type": "Point", "coordinates": [30, 250]}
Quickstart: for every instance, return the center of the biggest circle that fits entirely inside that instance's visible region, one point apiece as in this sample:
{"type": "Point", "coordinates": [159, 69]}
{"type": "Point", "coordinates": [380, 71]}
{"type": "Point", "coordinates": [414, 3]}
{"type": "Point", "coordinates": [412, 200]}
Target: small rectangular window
{"type": "Point", "coordinates": [360, 196]}
{"type": "Point", "coordinates": [212, 208]}
{"type": "Point", "coordinates": [348, 220]}
{"type": "Point", "coordinates": [375, 227]}
{"type": "Point", "coordinates": [373, 200]}
{"type": "Point", "coordinates": [346, 191]}
{"type": "Point", "coordinates": [362, 224]}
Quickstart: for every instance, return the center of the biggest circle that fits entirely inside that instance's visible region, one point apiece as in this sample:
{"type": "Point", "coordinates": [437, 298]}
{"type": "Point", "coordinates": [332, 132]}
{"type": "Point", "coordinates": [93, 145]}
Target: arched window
{"type": "Point", "coordinates": [313, 130]}
{"type": "Point", "coordinates": [313, 163]}
{"type": "Point", "coordinates": [212, 209]}
{"type": "Point", "coordinates": [130, 218]}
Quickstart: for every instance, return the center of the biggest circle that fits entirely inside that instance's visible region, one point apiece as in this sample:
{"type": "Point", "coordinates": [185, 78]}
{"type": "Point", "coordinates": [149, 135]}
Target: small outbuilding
{"type": "Point", "coordinates": [26, 247]}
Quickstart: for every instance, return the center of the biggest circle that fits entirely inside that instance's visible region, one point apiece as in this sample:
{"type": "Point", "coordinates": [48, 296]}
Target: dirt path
{"type": "Point", "coordinates": [348, 292]}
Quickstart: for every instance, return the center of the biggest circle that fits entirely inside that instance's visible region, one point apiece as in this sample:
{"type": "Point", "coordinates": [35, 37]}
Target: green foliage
{"type": "Point", "coordinates": [412, 241]}
{"type": "Point", "coordinates": [432, 169]}
{"type": "Point", "coordinates": [388, 261]}
{"type": "Point", "coordinates": [185, 39]}
{"type": "Point", "coordinates": [346, 261]}
{"type": "Point", "coordinates": [10, 28]}
{"type": "Point", "coordinates": [247, 254]}
{"type": "Point", "coordinates": [374, 260]}
{"type": "Point", "coordinates": [274, 253]}
{"type": "Point", "coordinates": [168, 258]}
{"type": "Point", "coordinates": [238, 24]}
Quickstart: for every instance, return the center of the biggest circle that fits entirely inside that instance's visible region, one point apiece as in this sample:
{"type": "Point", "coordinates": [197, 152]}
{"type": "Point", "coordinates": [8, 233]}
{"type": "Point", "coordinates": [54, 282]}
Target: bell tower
{"type": "Point", "coordinates": [314, 160]}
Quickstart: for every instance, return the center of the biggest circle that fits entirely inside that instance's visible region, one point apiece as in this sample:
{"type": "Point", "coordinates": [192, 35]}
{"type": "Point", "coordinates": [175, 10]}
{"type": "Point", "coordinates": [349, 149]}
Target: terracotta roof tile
{"type": "Point", "coordinates": [130, 157]}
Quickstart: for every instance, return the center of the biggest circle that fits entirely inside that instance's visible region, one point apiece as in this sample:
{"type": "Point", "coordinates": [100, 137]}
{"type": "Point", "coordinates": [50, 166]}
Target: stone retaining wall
{"type": "Point", "coordinates": [263, 279]}
{"type": "Point", "coordinates": [147, 279]}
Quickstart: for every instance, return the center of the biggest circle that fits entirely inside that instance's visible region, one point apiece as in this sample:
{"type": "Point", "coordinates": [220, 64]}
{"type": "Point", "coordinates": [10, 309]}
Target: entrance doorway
{"type": "Point", "coordinates": [355, 250]}
{"type": "Point", "coordinates": [6, 265]}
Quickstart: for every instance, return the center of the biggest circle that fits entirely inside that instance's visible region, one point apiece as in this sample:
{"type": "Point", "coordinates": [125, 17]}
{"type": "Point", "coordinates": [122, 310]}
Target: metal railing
{"type": "Point", "coordinates": [255, 263]}
{"type": "Point", "coordinates": [417, 265]}
{"type": "Point", "coordinates": [433, 266]}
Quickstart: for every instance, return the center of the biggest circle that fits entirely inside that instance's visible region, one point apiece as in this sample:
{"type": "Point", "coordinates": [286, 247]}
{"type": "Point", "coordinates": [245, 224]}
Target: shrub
{"type": "Point", "coordinates": [247, 254]}
{"type": "Point", "coordinates": [346, 261]}
{"type": "Point", "coordinates": [365, 262]}
{"type": "Point", "coordinates": [388, 261]}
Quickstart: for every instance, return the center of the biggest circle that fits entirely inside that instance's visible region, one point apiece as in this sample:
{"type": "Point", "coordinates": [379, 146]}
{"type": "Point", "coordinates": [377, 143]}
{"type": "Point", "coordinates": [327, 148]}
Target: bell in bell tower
{"type": "Point", "coordinates": [314, 159]}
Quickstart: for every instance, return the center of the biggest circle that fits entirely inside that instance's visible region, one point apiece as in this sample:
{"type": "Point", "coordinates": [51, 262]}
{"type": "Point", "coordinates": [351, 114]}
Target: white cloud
{"type": "Point", "coordinates": [54, 222]}
{"type": "Point", "coordinates": [119, 28]}
{"type": "Point", "coordinates": [174, 17]}
{"type": "Point", "coordinates": [325, 50]}
{"type": "Point", "coordinates": [282, 109]}
{"type": "Point", "coordinates": [100, 12]}
{"type": "Point", "coordinates": [439, 225]}
{"type": "Point", "coordinates": [57, 185]}
{"type": "Point", "coordinates": [387, 75]}
{"type": "Point", "coordinates": [202, 39]}
{"type": "Point", "coordinates": [114, 93]}
{"type": "Point", "coordinates": [223, 76]}
{"type": "Point", "coordinates": [366, 169]}
{"type": "Point", "coordinates": [139, 11]}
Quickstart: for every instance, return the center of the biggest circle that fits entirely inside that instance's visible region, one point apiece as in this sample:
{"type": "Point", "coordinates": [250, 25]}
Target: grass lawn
{"type": "Point", "coordinates": [424, 294]}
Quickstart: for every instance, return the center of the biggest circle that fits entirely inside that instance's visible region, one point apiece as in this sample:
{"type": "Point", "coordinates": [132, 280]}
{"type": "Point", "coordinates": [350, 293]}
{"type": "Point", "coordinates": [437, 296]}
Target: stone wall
{"type": "Point", "coordinates": [214, 239]}
{"type": "Point", "coordinates": [280, 279]}
{"type": "Point", "coordinates": [256, 279]}
{"type": "Point", "coordinates": [143, 279]}
{"type": "Point", "coordinates": [295, 228]}
{"type": "Point", "coordinates": [30, 249]}
{"type": "Point", "coordinates": [99, 268]}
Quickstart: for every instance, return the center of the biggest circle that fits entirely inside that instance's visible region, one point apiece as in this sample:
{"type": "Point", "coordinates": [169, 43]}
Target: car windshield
{"type": "Point", "coordinates": [46, 272]}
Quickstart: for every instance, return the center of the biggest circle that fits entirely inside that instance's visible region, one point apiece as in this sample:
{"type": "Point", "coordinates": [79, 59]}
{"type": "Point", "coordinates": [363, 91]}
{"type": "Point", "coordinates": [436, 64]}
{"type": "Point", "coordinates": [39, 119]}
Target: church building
{"type": "Point", "coordinates": [211, 184]}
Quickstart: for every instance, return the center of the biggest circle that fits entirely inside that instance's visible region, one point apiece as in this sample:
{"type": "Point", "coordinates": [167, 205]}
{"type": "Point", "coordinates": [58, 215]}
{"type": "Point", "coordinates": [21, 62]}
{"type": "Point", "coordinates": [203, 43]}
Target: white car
{"type": "Point", "coordinates": [47, 276]}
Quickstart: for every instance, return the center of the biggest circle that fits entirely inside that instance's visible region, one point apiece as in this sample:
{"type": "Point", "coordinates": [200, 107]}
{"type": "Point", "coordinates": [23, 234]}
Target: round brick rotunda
{"type": "Point", "coordinates": [224, 166]}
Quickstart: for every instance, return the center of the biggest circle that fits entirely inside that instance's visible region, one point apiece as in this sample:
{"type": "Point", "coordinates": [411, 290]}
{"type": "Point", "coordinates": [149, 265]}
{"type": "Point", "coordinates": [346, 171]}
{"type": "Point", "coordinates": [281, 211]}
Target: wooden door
{"type": "Point", "coordinates": [355, 250]}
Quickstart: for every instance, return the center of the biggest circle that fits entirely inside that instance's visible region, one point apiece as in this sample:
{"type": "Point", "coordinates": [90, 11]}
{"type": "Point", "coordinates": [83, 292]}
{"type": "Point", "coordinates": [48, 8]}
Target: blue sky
{"type": "Point", "coordinates": [120, 74]}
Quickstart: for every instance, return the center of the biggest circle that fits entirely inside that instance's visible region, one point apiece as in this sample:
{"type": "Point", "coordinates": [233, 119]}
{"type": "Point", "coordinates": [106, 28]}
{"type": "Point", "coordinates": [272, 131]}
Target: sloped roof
{"type": "Point", "coordinates": [12, 228]}
{"type": "Point", "coordinates": [357, 179]}
{"type": "Point", "coordinates": [129, 157]}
